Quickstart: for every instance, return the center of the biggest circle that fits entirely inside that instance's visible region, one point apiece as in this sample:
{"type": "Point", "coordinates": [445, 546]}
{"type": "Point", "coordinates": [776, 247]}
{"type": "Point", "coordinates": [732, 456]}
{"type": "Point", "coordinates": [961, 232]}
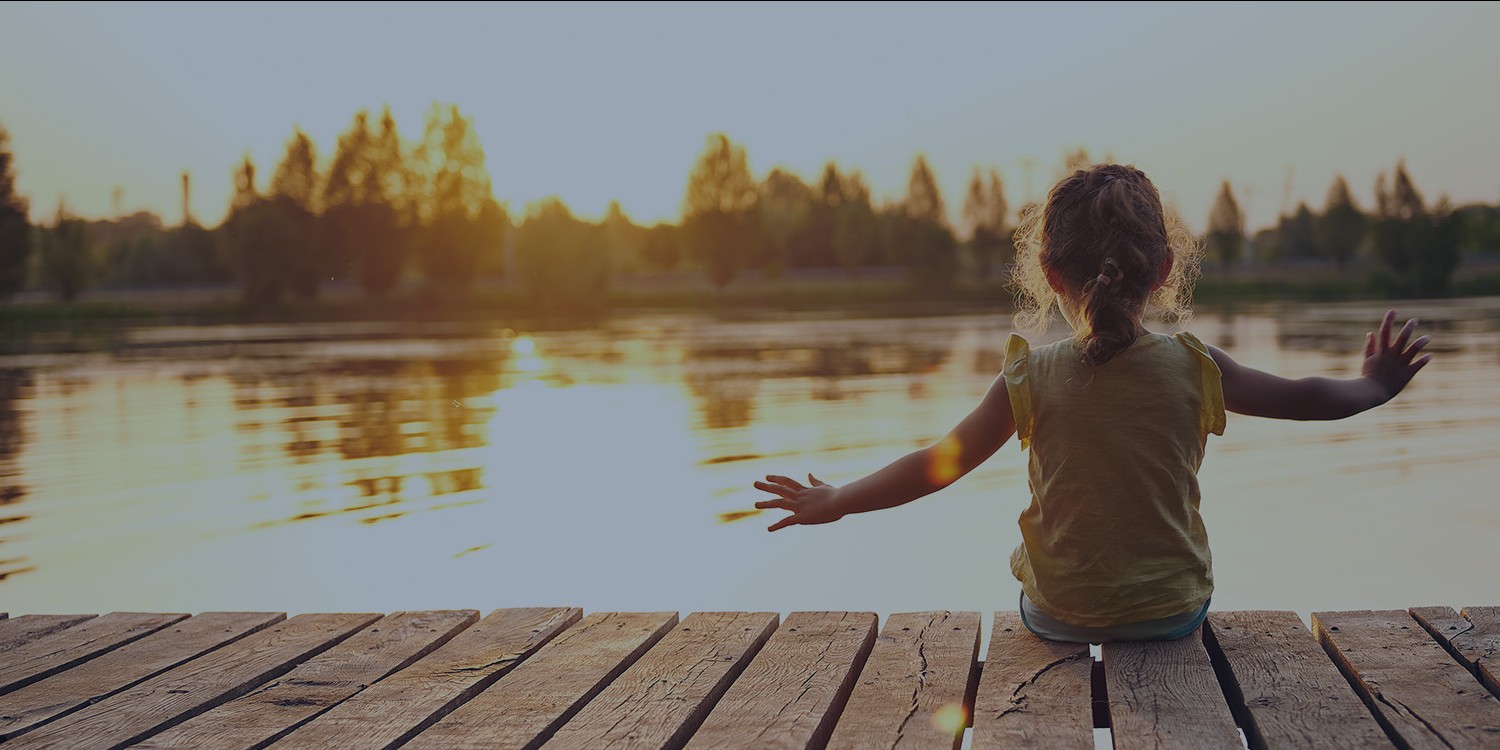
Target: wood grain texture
{"type": "Point", "coordinates": [1420, 694]}
{"type": "Point", "coordinates": [795, 687]}
{"type": "Point", "coordinates": [661, 699]}
{"type": "Point", "coordinates": [67, 648]}
{"type": "Point", "coordinates": [27, 708]}
{"type": "Point", "coordinates": [1473, 638]}
{"type": "Point", "coordinates": [1163, 694]}
{"type": "Point", "coordinates": [915, 687]}
{"type": "Point", "coordinates": [1284, 688]}
{"type": "Point", "coordinates": [189, 689]}
{"type": "Point", "coordinates": [527, 706]}
{"type": "Point", "coordinates": [317, 684]}
{"type": "Point", "coordinates": [394, 710]}
{"type": "Point", "coordinates": [1033, 692]}
{"type": "Point", "coordinates": [26, 628]}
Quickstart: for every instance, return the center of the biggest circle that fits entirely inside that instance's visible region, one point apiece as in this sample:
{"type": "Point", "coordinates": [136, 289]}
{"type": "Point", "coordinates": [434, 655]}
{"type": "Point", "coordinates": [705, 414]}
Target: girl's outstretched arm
{"type": "Point", "coordinates": [1388, 367]}
{"type": "Point", "coordinates": [914, 475]}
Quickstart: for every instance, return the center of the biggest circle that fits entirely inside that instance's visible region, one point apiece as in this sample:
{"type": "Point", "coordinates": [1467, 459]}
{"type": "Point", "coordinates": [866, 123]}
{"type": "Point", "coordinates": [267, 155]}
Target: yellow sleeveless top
{"type": "Point", "coordinates": [1113, 535]}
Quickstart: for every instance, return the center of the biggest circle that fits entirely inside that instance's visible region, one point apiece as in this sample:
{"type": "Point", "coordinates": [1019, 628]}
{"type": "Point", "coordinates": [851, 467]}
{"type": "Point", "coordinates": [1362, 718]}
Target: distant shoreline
{"type": "Point", "coordinates": [881, 292]}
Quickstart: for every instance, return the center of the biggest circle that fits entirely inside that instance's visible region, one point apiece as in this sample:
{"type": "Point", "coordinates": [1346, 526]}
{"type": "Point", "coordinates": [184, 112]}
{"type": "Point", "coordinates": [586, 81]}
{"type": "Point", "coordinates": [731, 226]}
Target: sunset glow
{"type": "Point", "coordinates": [601, 102]}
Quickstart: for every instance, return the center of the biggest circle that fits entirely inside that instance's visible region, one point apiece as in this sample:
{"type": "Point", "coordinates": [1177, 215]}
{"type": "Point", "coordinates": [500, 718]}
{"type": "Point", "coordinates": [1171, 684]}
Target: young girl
{"type": "Point", "coordinates": [1116, 418]}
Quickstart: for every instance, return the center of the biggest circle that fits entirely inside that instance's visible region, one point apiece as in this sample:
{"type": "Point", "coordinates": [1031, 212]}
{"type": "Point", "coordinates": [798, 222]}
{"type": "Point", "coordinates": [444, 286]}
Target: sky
{"type": "Point", "coordinates": [599, 102]}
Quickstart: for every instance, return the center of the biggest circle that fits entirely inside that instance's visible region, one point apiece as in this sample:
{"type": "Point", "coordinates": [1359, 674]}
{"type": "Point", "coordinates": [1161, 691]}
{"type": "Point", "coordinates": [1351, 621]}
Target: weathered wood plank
{"type": "Point", "coordinates": [915, 687]}
{"type": "Point", "coordinates": [1473, 638]}
{"type": "Point", "coordinates": [64, 649]}
{"type": "Point", "coordinates": [27, 628]}
{"type": "Point", "coordinates": [1163, 694]}
{"type": "Point", "coordinates": [793, 690]}
{"type": "Point", "coordinates": [527, 706]}
{"type": "Point", "coordinates": [392, 711]}
{"type": "Point", "coordinates": [187, 690]}
{"type": "Point", "coordinates": [1283, 687]}
{"type": "Point", "coordinates": [1033, 692]}
{"type": "Point", "coordinates": [27, 708]}
{"type": "Point", "coordinates": [1420, 694]}
{"type": "Point", "coordinates": [326, 680]}
{"type": "Point", "coordinates": [661, 699]}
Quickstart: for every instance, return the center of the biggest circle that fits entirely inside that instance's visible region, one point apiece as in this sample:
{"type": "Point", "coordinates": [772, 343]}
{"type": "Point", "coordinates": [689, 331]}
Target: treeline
{"type": "Point", "coordinates": [1416, 246]}
{"type": "Point", "coordinates": [382, 211]}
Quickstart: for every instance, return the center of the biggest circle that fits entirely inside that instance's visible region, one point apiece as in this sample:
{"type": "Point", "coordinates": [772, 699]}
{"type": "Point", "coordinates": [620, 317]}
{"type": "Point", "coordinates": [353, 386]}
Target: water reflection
{"type": "Point", "coordinates": [15, 385]}
{"type": "Point", "coordinates": [378, 467]}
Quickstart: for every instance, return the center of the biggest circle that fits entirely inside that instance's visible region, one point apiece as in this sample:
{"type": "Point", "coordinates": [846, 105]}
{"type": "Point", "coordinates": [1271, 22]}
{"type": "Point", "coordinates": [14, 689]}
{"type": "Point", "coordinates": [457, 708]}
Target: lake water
{"type": "Point", "coordinates": [381, 467]}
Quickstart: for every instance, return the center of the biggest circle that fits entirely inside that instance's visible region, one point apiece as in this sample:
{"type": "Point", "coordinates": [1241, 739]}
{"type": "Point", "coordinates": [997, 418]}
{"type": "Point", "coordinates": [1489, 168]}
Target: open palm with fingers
{"type": "Point", "coordinates": [809, 505]}
{"type": "Point", "coordinates": [1392, 364]}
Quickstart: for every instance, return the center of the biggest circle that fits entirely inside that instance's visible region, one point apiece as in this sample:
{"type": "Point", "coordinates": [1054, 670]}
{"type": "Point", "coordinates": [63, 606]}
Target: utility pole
{"type": "Point", "coordinates": [187, 215]}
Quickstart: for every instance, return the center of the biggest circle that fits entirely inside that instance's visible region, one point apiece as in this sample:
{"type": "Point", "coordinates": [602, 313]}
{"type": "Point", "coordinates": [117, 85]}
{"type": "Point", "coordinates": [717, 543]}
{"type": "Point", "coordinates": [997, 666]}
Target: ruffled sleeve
{"type": "Point", "coordinates": [1211, 416]}
{"type": "Point", "coordinates": [1017, 352]}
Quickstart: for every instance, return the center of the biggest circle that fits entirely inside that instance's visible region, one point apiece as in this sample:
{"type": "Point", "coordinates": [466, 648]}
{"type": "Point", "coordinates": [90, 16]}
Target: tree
{"type": "Point", "coordinates": [923, 237]}
{"type": "Point", "coordinates": [1399, 215]}
{"type": "Point", "coordinates": [363, 198]}
{"type": "Point", "coordinates": [15, 229]}
{"type": "Point", "coordinates": [65, 255]}
{"type": "Point", "coordinates": [854, 225]}
{"type": "Point", "coordinates": [457, 189]}
{"type": "Point", "coordinates": [985, 212]}
{"type": "Point", "coordinates": [261, 234]}
{"type": "Point", "coordinates": [1342, 226]}
{"type": "Point", "coordinates": [1298, 238]}
{"type": "Point", "coordinates": [786, 210]}
{"type": "Point", "coordinates": [1226, 227]}
{"type": "Point", "coordinates": [561, 261]}
{"type": "Point", "coordinates": [622, 238]}
{"type": "Point", "coordinates": [293, 188]}
{"type": "Point", "coordinates": [1436, 252]}
{"type": "Point", "coordinates": [719, 209]}
{"type": "Point", "coordinates": [663, 246]}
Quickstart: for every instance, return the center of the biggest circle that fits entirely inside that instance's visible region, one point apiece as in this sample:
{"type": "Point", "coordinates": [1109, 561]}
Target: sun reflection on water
{"type": "Point", "coordinates": [413, 470]}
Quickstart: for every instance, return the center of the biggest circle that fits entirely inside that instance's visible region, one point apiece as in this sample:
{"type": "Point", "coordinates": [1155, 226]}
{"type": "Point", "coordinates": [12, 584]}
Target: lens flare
{"type": "Point", "coordinates": [943, 467]}
{"type": "Point", "coordinates": [950, 718]}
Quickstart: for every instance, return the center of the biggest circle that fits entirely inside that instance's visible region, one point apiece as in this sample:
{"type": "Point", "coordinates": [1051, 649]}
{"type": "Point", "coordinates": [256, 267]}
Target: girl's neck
{"type": "Point", "coordinates": [1073, 315]}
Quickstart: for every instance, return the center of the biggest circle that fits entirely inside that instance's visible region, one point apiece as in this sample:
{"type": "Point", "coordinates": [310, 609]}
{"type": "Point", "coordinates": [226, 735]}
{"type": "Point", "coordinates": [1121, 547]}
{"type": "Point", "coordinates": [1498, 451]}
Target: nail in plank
{"type": "Point", "coordinates": [1473, 638]}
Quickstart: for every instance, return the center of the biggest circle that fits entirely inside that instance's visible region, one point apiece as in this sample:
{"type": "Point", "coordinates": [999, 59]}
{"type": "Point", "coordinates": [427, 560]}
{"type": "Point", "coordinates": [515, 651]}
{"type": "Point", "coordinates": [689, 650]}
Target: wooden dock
{"type": "Point", "coordinates": [555, 678]}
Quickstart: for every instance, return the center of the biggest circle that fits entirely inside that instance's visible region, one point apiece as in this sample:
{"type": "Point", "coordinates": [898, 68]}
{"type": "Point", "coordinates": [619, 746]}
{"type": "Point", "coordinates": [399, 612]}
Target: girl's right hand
{"type": "Point", "coordinates": [809, 505]}
{"type": "Point", "coordinates": [1391, 363]}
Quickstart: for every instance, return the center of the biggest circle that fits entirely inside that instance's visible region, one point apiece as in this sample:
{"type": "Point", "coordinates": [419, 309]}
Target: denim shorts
{"type": "Point", "coordinates": [1164, 629]}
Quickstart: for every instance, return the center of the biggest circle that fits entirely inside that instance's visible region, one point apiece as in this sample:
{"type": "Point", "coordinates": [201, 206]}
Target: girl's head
{"type": "Point", "coordinates": [1107, 252]}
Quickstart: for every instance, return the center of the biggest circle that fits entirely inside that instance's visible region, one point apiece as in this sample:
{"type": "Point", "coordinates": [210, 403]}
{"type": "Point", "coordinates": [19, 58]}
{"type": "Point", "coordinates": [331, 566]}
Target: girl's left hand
{"type": "Point", "coordinates": [1392, 364]}
{"type": "Point", "coordinates": [809, 505]}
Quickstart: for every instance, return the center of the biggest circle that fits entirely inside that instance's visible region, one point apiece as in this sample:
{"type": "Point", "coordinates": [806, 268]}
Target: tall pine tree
{"type": "Point", "coordinates": [719, 211]}
{"type": "Point", "coordinates": [1226, 227]}
{"type": "Point", "coordinates": [1342, 225]}
{"type": "Point", "coordinates": [15, 228]}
